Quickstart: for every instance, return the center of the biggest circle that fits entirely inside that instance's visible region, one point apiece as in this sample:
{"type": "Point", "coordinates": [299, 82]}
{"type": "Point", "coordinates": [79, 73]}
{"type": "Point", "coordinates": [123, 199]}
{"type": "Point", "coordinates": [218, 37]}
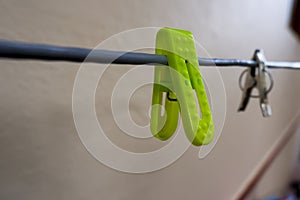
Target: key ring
{"type": "Point", "coordinates": [255, 82]}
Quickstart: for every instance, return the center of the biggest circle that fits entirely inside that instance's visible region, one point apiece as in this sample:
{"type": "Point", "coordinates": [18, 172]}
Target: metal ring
{"type": "Point", "coordinates": [271, 81]}
{"type": "Point", "coordinates": [267, 91]}
{"type": "Point", "coordinates": [240, 79]}
{"type": "Point", "coordinates": [270, 87]}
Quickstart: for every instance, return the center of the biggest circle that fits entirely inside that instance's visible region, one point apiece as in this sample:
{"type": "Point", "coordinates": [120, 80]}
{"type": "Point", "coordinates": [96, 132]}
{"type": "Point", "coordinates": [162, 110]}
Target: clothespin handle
{"type": "Point", "coordinates": [261, 84]}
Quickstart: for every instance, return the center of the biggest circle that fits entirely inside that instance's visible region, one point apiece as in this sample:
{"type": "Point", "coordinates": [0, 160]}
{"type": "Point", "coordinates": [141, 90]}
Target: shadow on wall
{"type": "Point", "coordinates": [295, 20]}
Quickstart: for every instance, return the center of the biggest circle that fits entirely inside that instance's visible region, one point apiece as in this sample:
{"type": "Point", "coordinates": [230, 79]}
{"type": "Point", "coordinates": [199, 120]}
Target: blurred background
{"type": "Point", "coordinates": [41, 155]}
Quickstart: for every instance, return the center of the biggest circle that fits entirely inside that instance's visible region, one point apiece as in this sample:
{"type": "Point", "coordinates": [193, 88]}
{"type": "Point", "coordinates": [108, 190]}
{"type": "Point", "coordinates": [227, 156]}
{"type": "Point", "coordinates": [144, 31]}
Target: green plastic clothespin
{"type": "Point", "coordinates": [178, 83]}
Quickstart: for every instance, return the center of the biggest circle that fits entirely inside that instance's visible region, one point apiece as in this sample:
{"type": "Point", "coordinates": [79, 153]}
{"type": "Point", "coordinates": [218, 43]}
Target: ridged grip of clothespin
{"type": "Point", "coordinates": [183, 75]}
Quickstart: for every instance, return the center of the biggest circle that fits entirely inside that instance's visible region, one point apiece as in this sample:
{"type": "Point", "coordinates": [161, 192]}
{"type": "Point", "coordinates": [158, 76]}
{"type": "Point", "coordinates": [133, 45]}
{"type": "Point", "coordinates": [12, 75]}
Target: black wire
{"type": "Point", "coordinates": [20, 50]}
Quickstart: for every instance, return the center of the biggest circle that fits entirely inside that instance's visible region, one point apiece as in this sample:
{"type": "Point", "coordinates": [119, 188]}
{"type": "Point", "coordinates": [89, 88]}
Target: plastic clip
{"type": "Point", "coordinates": [178, 82]}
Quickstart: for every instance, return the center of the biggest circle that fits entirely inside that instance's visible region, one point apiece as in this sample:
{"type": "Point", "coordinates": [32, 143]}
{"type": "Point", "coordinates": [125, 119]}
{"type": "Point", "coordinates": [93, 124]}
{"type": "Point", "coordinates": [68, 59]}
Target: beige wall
{"type": "Point", "coordinates": [41, 156]}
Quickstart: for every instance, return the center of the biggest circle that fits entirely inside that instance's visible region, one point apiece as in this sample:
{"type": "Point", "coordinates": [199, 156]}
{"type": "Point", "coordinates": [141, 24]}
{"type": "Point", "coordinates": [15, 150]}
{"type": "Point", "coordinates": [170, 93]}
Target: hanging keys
{"type": "Point", "coordinates": [178, 82]}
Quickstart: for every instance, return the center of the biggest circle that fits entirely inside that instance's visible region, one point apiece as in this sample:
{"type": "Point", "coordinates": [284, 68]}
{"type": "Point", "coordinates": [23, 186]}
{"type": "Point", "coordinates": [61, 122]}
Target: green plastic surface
{"type": "Point", "coordinates": [178, 83]}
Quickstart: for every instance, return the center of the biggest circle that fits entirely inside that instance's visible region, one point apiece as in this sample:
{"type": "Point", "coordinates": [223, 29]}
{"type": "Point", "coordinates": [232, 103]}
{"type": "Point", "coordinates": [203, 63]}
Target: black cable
{"type": "Point", "coordinates": [20, 50]}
